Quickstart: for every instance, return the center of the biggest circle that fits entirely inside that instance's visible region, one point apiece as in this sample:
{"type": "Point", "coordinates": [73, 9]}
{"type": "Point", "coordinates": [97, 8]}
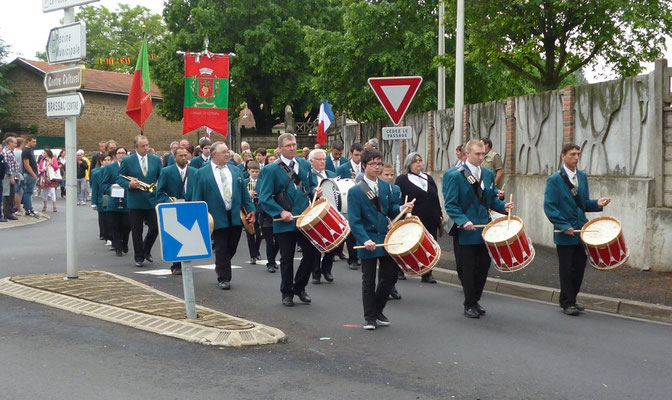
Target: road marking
{"type": "Point", "coordinates": [163, 272]}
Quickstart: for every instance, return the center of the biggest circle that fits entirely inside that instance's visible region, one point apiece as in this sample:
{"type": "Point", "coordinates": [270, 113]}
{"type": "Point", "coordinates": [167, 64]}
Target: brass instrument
{"type": "Point", "coordinates": [145, 187]}
{"type": "Point", "coordinates": [251, 187]}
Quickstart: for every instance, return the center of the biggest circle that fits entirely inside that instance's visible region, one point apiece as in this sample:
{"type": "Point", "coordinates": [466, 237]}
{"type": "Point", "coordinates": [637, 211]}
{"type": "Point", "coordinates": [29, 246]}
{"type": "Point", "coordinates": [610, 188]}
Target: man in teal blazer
{"type": "Point", "coordinates": [469, 192]}
{"type": "Point", "coordinates": [97, 197]}
{"type": "Point", "coordinates": [117, 212]}
{"type": "Point", "coordinates": [143, 167]}
{"type": "Point", "coordinates": [204, 158]}
{"type": "Point", "coordinates": [223, 189]}
{"type": "Point", "coordinates": [369, 225]}
{"type": "Point", "coordinates": [567, 213]}
{"type": "Point", "coordinates": [335, 157]}
{"type": "Point", "coordinates": [283, 197]}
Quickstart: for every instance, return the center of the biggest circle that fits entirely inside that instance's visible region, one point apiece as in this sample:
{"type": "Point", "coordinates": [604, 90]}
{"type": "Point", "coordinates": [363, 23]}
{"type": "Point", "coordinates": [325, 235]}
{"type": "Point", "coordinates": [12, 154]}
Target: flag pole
{"type": "Point", "coordinates": [144, 27]}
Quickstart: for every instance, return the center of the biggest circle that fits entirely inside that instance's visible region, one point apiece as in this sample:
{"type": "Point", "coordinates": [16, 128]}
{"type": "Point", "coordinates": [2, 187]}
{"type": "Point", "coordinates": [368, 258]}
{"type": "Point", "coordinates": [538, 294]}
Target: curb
{"type": "Point", "coordinates": [612, 305]}
{"type": "Point", "coordinates": [177, 328]}
{"type": "Point", "coordinates": [24, 220]}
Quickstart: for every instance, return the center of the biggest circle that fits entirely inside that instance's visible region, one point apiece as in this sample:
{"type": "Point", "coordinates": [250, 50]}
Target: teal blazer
{"type": "Point", "coordinates": [273, 179]}
{"type": "Point", "coordinates": [344, 170]}
{"type": "Point", "coordinates": [96, 189]}
{"type": "Point", "coordinates": [171, 159]}
{"type": "Point", "coordinates": [205, 189]}
{"type": "Point", "coordinates": [330, 164]}
{"type": "Point", "coordinates": [130, 166]}
{"type": "Point", "coordinates": [170, 184]}
{"type": "Point", "coordinates": [110, 172]}
{"type": "Point", "coordinates": [366, 222]}
{"type": "Point", "coordinates": [198, 163]}
{"type": "Point", "coordinates": [458, 193]}
{"type": "Point", "coordinates": [561, 209]}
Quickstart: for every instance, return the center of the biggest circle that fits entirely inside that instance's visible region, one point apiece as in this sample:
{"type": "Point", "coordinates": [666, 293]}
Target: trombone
{"type": "Point", "coordinates": [145, 187]}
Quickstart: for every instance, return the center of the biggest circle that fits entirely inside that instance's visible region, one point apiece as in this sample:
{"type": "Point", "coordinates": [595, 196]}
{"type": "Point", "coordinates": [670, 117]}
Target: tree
{"type": "Point", "coordinates": [270, 69]}
{"type": "Point", "coordinates": [546, 41]}
{"type": "Point", "coordinates": [117, 35]}
{"type": "Point", "coordinates": [5, 92]}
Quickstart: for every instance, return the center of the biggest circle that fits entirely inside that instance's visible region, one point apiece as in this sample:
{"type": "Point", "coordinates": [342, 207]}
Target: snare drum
{"type": "Point", "coordinates": [412, 247]}
{"type": "Point", "coordinates": [325, 227]}
{"type": "Point", "coordinates": [336, 192]}
{"type": "Point", "coordinates": [508, 245]}
{"type": "Point", "coordinates": [604, 243]}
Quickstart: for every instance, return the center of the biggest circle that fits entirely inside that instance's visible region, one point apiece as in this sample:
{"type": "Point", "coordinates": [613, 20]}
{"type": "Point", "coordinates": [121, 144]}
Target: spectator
{"type": "Point", "coordinates": [492, 160]}
{"type": "Point", "coordinates": [97, 157]}
{"type": "Point", "coordinates": [270, 159]}
{"type": "Point", "coordinates": [244, 146]}
{"type": "Point", "coordinates": [166, 157]}
{"type": "Point", "coordinates": [317, 146]}
{"type": "Point", "coordinates": [61, 165]}
{"type": "Point", "coordinates": [371, 144]}
{"type": "Point", "coordinates": [305, 152]}
{"type": "Point", "coordinates": [10, 179]}
{"type": "Point", "coordinates": [82, 167]}
{"type": "Point", "coordinates": [260, 155]}
{"type": "Point", "coordinates": [29, 175]}
{"type": "Point", "coordinates": [48, 179]}
{"type": "Point", "coordinates": [20, 181]}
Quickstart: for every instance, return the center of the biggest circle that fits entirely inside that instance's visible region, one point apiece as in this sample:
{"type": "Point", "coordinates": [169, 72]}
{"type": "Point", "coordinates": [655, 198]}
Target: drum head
{"type": "Point", "coordinates": [601, 231]}
{"type": "Point", "coordinates": [502, 230]}
{"type": "Point", "coordinates": [312, 214]}
{"type": "Point", "coordinates": [407, 235]}
{"type": "Point", "coordinates": [331, 192]}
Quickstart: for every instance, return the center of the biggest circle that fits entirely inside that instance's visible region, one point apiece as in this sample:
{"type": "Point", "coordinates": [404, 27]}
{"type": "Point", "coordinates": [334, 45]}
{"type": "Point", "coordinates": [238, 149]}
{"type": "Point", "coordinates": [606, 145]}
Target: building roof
{"type": "Point", "coordinates": [94, 81]}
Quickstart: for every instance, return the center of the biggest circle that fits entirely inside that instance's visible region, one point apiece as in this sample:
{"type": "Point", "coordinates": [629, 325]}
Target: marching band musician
{"type": "Point", "coordinates": [566, 200]}
{"type": "Point", "coordinates": [204, 158]}
{"type": "Point", "coordinates": [117, 211]}
{"type": "Point", "coordinates": [224, 204]}
{"type": "Point", "coordinates": [470, 192]}
{"type": "Point", "coordinates": [388, 175]}
{"type": "Point", "coordinates": [371, 206]}
{"type": "Point", "coordinates": [285, 189]}
{"type": "Point", "coordinates": [143, 169]}
{"type": "Point", "coordinates": [349, 170]}
{"type": "Point", "coordinates": [254, 241]}
{"type": "Point", "coordinates": [176, 182]}
{"type": "Point", "coordinates": [323, 262]}
{"type": "Point", "coordinates": [461, 159]}
{"type": "Point", "coordinates": [335, 158]}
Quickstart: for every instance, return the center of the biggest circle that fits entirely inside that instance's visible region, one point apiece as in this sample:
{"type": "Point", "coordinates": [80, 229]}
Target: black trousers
{"type": "Point", "coordinates": [475, 262]}
{"type": "Point", "coordinates": [323, 263]}
{"type": "Point", "coordinates": [374, 298]}
{"type": "Point", "coordinates": [103, 230]}
{"type": "Point", "coordinates": [137, 218]}
{"type": "Point", "coordinates": [119, 226]}
{"type": "Point", "coordinates": [294, 284]}
{"type": "Point", "coordinates": [572, 266]}
{"type": "Point", "coordinates": [271, 245]}
{"type": "Point", "coordinates": [352, 253]}
{"type": "Point", "coordinates": [458, 262]}
{"type": "Point", "coordinates": [226, 242]}
{"type": "Point", "coordinates": [8, 201]}
{"type": "Point", "coordinates": [254, 241]}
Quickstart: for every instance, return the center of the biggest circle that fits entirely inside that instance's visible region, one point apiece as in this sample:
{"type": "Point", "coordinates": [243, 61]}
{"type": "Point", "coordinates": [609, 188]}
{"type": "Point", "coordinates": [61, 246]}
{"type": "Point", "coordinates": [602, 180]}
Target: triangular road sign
{"type": "Point", "coordinates": [395, 94]}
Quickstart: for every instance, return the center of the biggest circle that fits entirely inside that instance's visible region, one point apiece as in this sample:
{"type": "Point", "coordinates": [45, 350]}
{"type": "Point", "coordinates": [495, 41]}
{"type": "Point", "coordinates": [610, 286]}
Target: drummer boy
{"type": "Point", "coordinates": [371, 206]}
{"type": "Point", "coordinates": [566, 200]}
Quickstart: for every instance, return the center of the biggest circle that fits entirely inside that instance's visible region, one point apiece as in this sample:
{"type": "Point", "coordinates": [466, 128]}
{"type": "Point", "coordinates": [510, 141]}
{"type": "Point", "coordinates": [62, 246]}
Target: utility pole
{"type": "Point", "coordinates": [459, 71]}
{"type": "Point", "coordinates": [441, 101]}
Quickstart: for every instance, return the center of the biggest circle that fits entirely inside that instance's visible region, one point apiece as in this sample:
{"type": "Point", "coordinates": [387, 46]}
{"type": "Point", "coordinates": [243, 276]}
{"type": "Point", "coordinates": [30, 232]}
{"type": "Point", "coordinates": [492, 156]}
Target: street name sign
{"type": "Point", "coordinates": [184, 232]}
{"type": "Point", "coordinates": [64, 80]}
{"type": "Point", "coordinates": [53, 5]}
{"type": "Point", "coordinates": [395, 94]}
{"type": "Point", "coordinates": [398, 133]}
{"type": "Point", "coordinates": [65, 105]}
{"type": "Point", "coordinates": [67, 43]}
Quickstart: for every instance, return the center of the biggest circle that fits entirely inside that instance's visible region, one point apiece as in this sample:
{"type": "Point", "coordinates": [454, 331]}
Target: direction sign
{"type": "Point", "coordinates": [53, 5]}
{"type": "Point", "coordinates": [395, 94]}
{"type": "Point", "coordinates": [67, 43]}
{"type": "Point", "coordinates": [184, 232]}
{"type": "Point", "coordinates": [398, 133]}
{"type": "Point", "coordinates": [65, 105]}
{"type": "Point", "coordinates": [64, 80]}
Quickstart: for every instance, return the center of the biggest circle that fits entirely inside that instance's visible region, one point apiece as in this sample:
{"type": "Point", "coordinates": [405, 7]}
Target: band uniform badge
{"type": "Point", "coordinates": [205, 88]}
{"type": "Point", "coordinates": [471, 179]}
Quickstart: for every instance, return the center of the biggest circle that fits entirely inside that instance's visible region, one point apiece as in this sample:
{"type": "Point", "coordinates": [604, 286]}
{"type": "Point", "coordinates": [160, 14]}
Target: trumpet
{"type": "Point", "coordinates": [251, 187]}
{"type": "Point", "coordinates": [145, 187]}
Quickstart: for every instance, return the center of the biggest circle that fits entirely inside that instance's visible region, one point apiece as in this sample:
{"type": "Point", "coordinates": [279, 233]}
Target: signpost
{"type": "Point", "coordinates": [395, 94]}
{"type": "Point", "coordinates": [65, 105]}
{"type": "Point", "coordinates": [64, 80]}
{"type": "Point", "coordinates": [53, 5]}
{"type": "Point", "coordinates": [184, 235]}
{"type": "Point", "coordinates": [67, 43]}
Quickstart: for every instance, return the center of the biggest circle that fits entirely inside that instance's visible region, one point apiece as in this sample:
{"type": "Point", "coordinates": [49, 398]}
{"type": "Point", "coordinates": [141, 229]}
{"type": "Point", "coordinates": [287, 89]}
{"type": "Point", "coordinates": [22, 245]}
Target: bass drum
{"type": "Point", "coordinates": [336, 192]}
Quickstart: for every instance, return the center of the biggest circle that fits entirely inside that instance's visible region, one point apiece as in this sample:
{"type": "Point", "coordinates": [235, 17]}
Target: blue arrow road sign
{"type": "Point", "coordinates": [183, 231]}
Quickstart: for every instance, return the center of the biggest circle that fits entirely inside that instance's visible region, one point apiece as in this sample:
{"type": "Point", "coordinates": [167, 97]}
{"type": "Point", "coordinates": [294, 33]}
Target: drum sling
{"type": "Point", "coordinates": [478, 193]}
{"type": "Point", "coordinates": [572, 188]}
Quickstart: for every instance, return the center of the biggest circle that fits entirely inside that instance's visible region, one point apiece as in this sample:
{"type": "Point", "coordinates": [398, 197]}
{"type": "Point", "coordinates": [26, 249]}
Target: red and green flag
{"type": "Point", "coordinates": [139, 103]}
{"type": "Point", "coordinates": [206, 92]}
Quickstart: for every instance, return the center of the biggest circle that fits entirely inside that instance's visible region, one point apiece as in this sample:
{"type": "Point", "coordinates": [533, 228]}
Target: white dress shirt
{"type": "Point", "coordinates": [372, 184]}
{"type": "Point", "coordinates": [140, 162]}
{"type": "Point", "coordinates": [337, 163]}
{"type": "Point", "coordinates": [218, 180]}
{"type": "Point", "coordinates": [287, 161]}
{"type": "Point", "coordinates": [183, 172]}
{"type": "Point", "coordinates": [572, 176]}
{"type": "Point", "coordinates": [419, 181]}
{"type": "Point", "coordinates": [356, 167]}
{"type": "Point", "coordinates": [475, 171]}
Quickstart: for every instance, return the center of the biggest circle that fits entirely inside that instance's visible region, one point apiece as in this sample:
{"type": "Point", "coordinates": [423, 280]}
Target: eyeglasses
{"type": "Point", "coordinates": [121, 152]}
{"type": "Point", "coordinates": [375, 164]}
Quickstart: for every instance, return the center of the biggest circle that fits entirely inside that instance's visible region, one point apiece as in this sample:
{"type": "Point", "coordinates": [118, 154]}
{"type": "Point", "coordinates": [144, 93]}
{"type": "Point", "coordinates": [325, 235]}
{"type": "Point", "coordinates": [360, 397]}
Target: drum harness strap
{"type": "Point", "coordinates": [282, 197]}
{"type": "Point", "coordinates": [478, 193]}
{"type": "Point", "coordinates": [375, 200]}
{"type": "Point", "coordinates": [572, 188]}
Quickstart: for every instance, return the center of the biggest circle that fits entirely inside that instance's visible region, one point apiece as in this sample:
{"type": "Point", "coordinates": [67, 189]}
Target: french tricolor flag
{"type": "Point", "coordinates": [325, 119]}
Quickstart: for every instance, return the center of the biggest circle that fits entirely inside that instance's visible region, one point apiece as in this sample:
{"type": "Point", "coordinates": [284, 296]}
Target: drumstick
{"type": "Point", "coordinates": [403, 210]}
{"type": "Point", "coordinates": [508, 220]}
{"type": "Point", "coordinates": [293, 217]}
{"type": "Point", "coordinates": [576, 231]}
{"type": "Point", "coordinates": [314, 196]}
{"type": "Point", "coordinates": [503, 187]}
{"type": "Point", "coordinates": [475, 226]}
{"type": "Point", "coordinates": [378, 245]}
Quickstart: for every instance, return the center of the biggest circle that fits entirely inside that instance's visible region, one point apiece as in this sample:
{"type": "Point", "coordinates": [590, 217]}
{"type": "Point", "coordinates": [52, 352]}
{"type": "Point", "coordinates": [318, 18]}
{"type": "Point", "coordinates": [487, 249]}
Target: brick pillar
{"type": "Point", "coordinates": [568, 122]}
{"type": "Point", "coordinates": [429, 158]}
{"type": "Point", "coordinates": [509, 166]}
{"type": "Point", "coordinates": [465, 124]}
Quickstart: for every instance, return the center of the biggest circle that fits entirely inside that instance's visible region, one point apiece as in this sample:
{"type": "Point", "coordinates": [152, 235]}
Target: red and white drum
{"type": "Point", "coordinates": [323, 225]}
{"type": "Point", "coordinates": [604, 243]}
{"type": "Point", "coordinates": [336, 192]}
{"type": "Point", "coordinates": [412, 247]}
{"type": "Point", "coordinates": [508, 245]}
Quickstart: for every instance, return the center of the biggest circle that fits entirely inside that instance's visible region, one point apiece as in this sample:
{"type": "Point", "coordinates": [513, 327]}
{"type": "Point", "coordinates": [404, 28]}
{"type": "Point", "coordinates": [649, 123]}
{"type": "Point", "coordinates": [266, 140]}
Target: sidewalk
{"type": "Point", "coordinates": [23, 220]}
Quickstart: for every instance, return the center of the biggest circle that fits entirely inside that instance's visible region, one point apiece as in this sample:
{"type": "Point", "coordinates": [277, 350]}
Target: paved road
{"type": "Point", "coordinates": [521, 350]}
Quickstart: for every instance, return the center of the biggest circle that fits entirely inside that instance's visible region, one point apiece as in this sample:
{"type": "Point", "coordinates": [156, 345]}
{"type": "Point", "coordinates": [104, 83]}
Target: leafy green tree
{"type": "Point", "coordinates": [270, 69]}
{"type": "Point", "coordinates": [5, 92]}
{"type": "Point", "coordinates": [117, 35]}
{"type": "Point", "coordinates": [547, 41]}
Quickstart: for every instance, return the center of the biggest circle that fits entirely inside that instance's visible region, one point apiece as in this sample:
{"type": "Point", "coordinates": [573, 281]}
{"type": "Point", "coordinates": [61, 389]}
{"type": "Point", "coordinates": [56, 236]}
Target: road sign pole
{"type": "Point", "coordinates": [188, 285]}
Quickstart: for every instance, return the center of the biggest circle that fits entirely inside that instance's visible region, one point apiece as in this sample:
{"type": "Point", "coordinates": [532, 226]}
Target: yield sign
{"type": "Point", "coordinates": [395, 94]}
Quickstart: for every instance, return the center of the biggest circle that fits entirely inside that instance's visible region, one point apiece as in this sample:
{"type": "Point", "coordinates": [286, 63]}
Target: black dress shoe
{"type": "Point", "coordinates": [341, 256]}
{"type": "Point", "coordinates": [580, 307]}
{"type": "Point", "coordinates": [270, 269]}
{"type": "Point", "coordinates": [428, 278]}
{"type": "Point", "coordinates": [258, 258]}
{"type": "Point", "coordinates": [471, 313]}
{"type": "Point", "coordinates": [353, 266]}
{"type": "Point", "coordinates": [303, 296]}
{"type": "Point", "coordinates": [149, 258]}
{"type": "Point", "coordinates": [328, 277]}
{"type": "Point", "coordinates": [11, 217]}
{"type": "Point", "coordinates": [479, 309]}
{"type": "Point", "coordinates": [224, 285]}
{"type": "Point", "coordinates": [138, 264]}
{"type": "Point", "coordinates": [287, 301]}
{"type": "Point", "coordinates": [118, 253]}
{"type": "Point", "coordinates": [401, 276]}
{"type": "Point", "coordinates": [253, 261]}
{"type": "Point", "coordinates": [124, 248]}
{"type": "Point", "coordinates": [316, 281]}
{"type": "Point", "coordinates": [394, 294]}
{"type": "Point", "coordinates": [571, 310]}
